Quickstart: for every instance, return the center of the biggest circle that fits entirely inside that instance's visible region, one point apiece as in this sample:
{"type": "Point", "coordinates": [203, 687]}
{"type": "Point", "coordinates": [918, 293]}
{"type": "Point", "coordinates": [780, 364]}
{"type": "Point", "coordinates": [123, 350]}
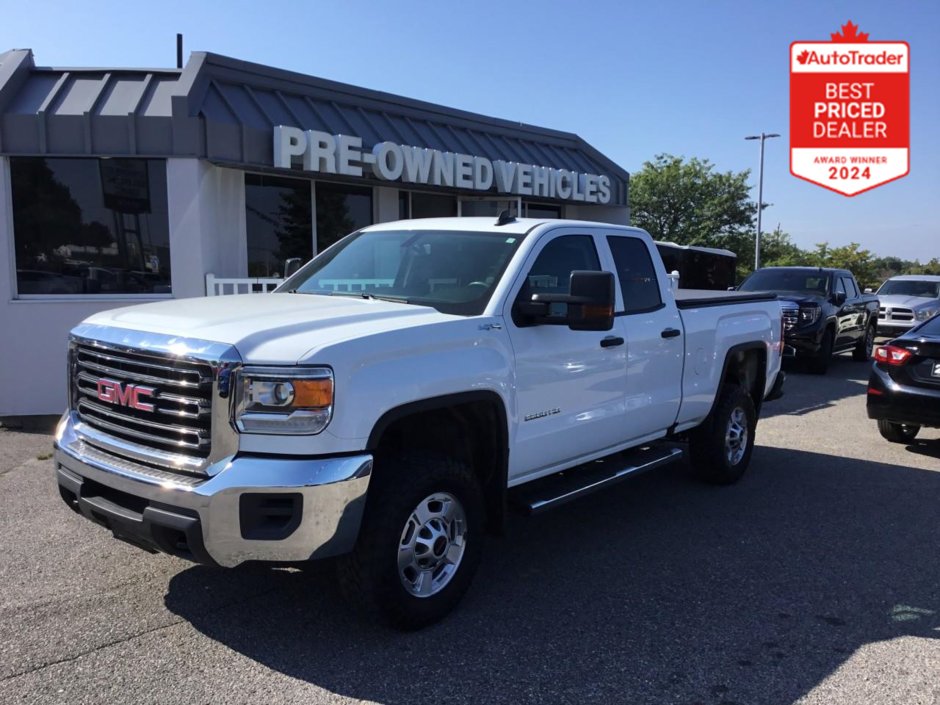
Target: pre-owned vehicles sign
{"type": "Point", "coordinates": [849, 111]}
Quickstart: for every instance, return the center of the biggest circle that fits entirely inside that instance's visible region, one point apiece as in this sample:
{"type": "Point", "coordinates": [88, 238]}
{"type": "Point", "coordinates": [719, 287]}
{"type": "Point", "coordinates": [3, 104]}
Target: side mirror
{"type": "Point", "coordinates": [838, 298]}
{"type": "Point", "coordinates": [868, 290]}
{"type": "Point", "coordinates": [291, 265]}
{"type": "Point", "coordinates": [595, 308]}
{"type": "Point", "coordinates": [589, 303]}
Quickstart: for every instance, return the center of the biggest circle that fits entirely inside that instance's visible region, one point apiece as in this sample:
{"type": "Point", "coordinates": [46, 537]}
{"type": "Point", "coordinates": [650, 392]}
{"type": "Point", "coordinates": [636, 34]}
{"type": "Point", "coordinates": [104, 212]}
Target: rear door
{"type": "Point", "coordinates": [652, 330]}
{"type": "Point", "coordinates": [569, 384]}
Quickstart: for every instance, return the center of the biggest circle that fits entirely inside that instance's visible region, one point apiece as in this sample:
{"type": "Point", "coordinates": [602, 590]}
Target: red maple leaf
{"type": "Point", "coordinates": [849, 33]}
{"type": "Point", "coordinates": [802, 56]}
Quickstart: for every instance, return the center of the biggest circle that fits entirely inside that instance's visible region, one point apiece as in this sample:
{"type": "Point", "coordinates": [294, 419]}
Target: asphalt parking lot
{"type": "Point", "coordinates": [814, 580]}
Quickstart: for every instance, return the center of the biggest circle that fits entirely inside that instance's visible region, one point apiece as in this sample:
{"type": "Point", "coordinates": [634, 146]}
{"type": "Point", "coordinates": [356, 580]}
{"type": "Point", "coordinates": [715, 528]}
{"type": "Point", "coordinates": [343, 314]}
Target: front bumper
{"type": "Point", "coordinates": [899, 403]}
{"type": "Point", "coordinates": [895, 328]}
{"type": "Point", "coordinates": [805, 343]}
{"type": "Point", "coordinates": [256, 508]}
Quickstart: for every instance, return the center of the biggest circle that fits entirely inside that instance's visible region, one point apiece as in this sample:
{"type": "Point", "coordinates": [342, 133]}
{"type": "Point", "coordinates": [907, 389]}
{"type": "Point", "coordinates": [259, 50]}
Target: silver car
{"type": "Point", "coordinates": [905, 301]}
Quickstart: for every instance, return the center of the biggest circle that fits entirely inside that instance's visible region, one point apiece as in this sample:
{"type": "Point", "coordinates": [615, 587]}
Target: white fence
{"type": "Point", "coordinates": [217, 286]}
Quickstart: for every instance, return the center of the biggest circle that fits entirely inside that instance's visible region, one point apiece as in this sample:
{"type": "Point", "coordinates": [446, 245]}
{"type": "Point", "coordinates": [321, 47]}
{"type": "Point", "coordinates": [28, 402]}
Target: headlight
{"type": "Point", "coordinates": [809, 314]}
{"type": "Point", "coordinates": [925, 313]}
{"type": "Point", "coordinates": [284, 400]}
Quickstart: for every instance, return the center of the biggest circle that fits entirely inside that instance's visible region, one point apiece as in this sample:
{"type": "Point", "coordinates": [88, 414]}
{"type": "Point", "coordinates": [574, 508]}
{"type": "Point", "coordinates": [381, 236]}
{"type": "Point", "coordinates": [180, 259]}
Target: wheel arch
{"type": "Point", "coordinates": [474, 424]}
{"type": "Point", "coordinates": [745, 364]}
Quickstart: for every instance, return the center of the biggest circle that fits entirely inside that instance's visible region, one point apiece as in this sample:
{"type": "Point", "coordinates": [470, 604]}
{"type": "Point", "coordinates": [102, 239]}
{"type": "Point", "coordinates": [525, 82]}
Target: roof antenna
{"type": "Point", "coordinates": [179, 50]}
{"type": "Point", "coordinates": [504, 218]}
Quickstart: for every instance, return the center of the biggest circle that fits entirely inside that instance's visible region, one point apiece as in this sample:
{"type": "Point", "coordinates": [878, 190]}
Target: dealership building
{"type": "Point", "coordinates": [121, 186]}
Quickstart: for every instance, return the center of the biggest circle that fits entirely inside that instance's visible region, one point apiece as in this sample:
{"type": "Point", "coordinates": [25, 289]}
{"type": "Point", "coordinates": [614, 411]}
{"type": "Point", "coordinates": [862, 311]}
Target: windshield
{"type": "Point", "coordinates": [452, 271]}
{"type": "Point", "coordinates": [909, 287]}
{"type": "Point", "coordinates": [803, 281]}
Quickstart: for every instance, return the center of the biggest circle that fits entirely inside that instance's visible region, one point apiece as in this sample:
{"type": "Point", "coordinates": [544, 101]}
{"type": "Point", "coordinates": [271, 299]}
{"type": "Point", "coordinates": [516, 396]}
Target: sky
{"type": "Point", "coordinates": [633, 79]}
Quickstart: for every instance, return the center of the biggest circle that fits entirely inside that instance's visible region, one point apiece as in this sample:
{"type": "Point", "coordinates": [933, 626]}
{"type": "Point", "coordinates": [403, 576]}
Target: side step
{"type": "Point", "coordinates": [563, 487]}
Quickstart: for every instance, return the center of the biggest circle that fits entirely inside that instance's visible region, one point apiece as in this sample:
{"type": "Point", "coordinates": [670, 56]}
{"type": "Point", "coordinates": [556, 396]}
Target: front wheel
{"type": "Point", "coordinates": [865, 345]}
{"type": "Point", "coordinates": [897, 432]}
{"type": "Point", "coordinates": [419, 545]}
{"type": "Point", "coordinates": [720, 449]}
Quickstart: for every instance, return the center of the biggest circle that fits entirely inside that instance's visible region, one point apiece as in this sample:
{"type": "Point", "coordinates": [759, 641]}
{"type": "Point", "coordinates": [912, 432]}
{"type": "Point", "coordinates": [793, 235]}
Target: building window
{"type": "Point", "coordinates": [278, 222]}
{"type": "Point", "coordinates": [542, 210]}
{"type": "Point", "coordinates": [90, 226]}
{"type": "Point", "coordinates": [403, 205]}
{"type": "Point", "coordinates": [340, 211]}
{"type": "Point", "coordinates": [432, 205]}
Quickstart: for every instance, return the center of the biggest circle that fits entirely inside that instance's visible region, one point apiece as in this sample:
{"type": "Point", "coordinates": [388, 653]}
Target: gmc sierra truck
{"type": "Point", "coordinates": [825, 312]}
{"type": "Point", "coordinates": [392, 398]}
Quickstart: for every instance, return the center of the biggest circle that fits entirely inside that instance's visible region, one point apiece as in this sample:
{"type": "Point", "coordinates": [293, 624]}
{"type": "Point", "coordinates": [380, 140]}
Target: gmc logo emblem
{"type": "Point", "coordinates": [113, 392]}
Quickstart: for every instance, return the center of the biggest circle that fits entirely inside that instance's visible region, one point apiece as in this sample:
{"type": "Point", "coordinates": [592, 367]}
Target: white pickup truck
{"type": "Point", "coordinates": [392, 398]}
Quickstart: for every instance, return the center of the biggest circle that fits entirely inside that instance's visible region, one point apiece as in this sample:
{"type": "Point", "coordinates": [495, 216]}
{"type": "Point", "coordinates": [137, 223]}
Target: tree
{"type": "Point", "coordinates": [851, 257]}
{"type": "Point", "coordinates": [689, 203]}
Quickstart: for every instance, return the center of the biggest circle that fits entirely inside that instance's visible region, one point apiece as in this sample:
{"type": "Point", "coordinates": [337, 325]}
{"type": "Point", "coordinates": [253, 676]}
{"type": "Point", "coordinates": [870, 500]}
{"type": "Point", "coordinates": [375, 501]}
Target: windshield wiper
{"type": "Point", "coordinates": [370, 295]}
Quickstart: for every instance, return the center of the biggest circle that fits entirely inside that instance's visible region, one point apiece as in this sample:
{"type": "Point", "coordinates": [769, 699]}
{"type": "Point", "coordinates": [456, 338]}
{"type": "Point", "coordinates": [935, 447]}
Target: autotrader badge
{"type": "Point", "coordinates": [849, 111]}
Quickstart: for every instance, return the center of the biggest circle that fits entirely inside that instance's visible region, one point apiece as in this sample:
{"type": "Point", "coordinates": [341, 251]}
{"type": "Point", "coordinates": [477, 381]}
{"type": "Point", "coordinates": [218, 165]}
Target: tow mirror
{"type": "Point", "coordinates": [588, 305]}
{"type": "Point", "coordinates": [291, 265]}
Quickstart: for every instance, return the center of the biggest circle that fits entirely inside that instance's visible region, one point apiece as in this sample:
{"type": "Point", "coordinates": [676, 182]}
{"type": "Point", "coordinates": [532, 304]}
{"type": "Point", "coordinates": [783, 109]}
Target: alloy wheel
{"type": "Point", "coordinates": [432, 544]}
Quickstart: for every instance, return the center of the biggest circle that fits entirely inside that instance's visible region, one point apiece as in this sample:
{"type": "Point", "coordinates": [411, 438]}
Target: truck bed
{"type": "Point", "coordinates": [697, 298]}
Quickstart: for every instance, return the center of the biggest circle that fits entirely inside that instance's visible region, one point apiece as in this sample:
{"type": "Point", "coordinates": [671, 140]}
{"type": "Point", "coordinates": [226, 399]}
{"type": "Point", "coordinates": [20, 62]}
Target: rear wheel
{"type": "Point", "coordinates": [898, 432]}
{"type": "Point", "coordinates": [820, 364]}
{"type": "Point", "coordinates": [419, 545]}
{"type": "Point", "coordinates": [720, 449]}
{"type": "Point", "coordinates": [865, 344]}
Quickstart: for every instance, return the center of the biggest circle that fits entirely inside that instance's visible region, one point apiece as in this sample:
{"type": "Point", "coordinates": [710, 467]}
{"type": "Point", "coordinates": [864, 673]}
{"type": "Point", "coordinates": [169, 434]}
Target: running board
{"type": "Point", "coordinates": [554, 490]}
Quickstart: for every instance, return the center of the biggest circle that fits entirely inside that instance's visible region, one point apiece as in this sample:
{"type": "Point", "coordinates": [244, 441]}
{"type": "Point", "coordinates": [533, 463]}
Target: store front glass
{"type": "Point", "coordinates": [278, 222]}
{"type": "Point", "coordinates": [90, 226]}
{"type": "Point", "coordinates": [341, 210]}
{"type": "Point", "coordinates": [432, 205]}
{"type": "Point", "coordinates": [488, 206]}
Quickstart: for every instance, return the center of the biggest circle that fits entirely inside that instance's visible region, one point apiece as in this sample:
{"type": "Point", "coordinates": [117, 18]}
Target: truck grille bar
{"type": "Point", "coordinates": [177, 413]}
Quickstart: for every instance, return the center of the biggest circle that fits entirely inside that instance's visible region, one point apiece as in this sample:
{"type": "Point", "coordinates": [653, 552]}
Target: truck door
{"type": "Point", "coordinates": [569, 383]}
{"type": "Point", "coordinates": [652, 330]}
{"type": "Point", "coordinates": [845, 315]}
{"type": "Point", "coordinates": [854, 308]}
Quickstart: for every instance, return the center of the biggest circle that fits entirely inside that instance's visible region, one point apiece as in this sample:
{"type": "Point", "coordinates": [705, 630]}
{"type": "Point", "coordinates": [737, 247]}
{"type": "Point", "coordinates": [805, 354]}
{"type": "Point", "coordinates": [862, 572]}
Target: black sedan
{"type": "Point", "coordinates": [904, 387]}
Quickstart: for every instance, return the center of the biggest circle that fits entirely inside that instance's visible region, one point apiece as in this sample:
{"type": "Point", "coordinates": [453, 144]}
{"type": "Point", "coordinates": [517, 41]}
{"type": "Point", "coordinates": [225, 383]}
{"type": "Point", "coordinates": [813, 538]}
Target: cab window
{"type": "Point", "coordinates": [638, 282]}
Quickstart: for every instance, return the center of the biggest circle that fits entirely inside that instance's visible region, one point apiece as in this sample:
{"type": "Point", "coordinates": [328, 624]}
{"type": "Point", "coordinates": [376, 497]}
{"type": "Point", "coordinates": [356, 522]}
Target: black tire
{"type": "Point", "coordinates": [897, 432]}
{"type": "Point", "coordinates": [865, 345]}
{"type": "Point", "coordinates": [370, 578]}
{"type": "Point", "coordinates": [714, 457]}
{"type": "Point", "coordinates": [819, 364]}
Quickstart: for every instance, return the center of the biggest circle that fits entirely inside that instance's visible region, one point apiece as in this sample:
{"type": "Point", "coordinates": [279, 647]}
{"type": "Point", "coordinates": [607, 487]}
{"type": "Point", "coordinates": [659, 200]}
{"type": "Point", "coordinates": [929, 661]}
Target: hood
{"type": "Point", "coordinates": [270, 328]}
{"type": "Point", "coordinates": [903, 301]}
{"type": "Point", "coordinates": [802, 299]}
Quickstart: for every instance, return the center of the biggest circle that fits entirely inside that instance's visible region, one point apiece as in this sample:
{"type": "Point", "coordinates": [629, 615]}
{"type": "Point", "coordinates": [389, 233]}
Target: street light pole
{"type": "Point", "coordinates": [760, 192]}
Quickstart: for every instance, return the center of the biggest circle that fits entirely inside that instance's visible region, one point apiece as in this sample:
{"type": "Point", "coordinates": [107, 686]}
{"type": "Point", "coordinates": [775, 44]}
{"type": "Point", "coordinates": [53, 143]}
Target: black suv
{"type": "Point", "coordinates": [904, 386]}
{"type": "Point", "coordinates": [831, 315]}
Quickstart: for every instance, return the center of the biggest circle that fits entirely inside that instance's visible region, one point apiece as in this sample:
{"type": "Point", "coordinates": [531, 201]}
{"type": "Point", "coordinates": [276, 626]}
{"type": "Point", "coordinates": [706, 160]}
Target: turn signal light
{"type": "Point", "coordinates": [893, 355]}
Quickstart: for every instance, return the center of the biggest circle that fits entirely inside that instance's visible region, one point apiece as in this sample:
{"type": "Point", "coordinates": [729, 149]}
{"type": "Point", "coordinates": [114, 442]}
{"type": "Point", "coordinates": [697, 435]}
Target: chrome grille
{"type": "Point", "coordinates": [888, 313]}
{"type": "Point", "coordinates": [791, 317]}
{"type": "Point", "coordinates": [181, 419]}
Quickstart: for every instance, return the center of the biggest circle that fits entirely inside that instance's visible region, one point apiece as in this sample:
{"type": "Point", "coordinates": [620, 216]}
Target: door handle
{"type": "Point", "coordinates": [671, 333]}
{"type": "Point", "coordinates": [611, 341]}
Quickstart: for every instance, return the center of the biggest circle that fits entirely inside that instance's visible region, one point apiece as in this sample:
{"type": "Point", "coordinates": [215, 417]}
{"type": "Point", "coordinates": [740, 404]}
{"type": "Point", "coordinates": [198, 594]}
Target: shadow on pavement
{"type": "Point", "coordinates": [659, 590]}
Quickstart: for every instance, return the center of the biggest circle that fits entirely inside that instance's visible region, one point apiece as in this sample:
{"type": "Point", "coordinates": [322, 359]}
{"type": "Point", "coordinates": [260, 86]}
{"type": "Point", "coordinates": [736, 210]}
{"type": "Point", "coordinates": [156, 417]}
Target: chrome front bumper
{"type": "Point", "coordinates": [215, 519]}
